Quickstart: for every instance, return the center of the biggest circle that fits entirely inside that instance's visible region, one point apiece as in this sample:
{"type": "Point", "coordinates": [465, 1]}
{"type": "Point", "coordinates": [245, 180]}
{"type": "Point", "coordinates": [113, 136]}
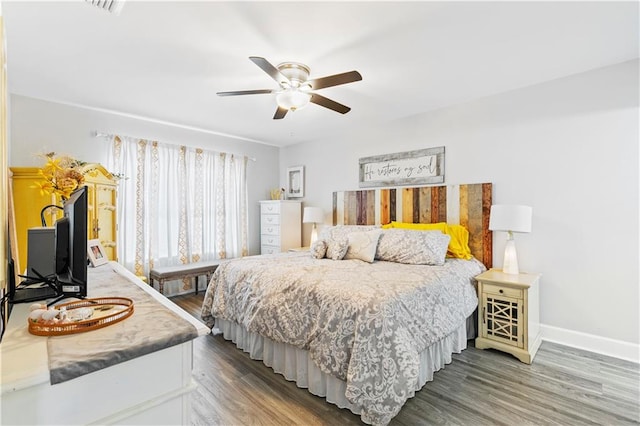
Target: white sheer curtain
{"type": "Point", "coordinates": [177, 205]}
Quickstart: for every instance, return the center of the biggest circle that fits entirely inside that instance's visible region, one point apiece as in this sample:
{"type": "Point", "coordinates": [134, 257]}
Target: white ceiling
{"type": "Point", "coordinates": [166, 60]}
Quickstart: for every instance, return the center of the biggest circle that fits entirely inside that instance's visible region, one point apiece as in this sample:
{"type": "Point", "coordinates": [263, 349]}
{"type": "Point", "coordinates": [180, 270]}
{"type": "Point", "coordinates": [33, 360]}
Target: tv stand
{"type": "Point", "coordinates": [50, 280]}
{"type": "Point", "coordinates": [53, 292]}
{"type": "Point", "coordinates": [24, 293]}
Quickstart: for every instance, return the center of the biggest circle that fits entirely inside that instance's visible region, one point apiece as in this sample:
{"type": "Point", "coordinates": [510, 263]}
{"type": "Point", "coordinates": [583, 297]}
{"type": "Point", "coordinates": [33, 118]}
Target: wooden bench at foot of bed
{"type": "Point", "coordinates": [189, 270]}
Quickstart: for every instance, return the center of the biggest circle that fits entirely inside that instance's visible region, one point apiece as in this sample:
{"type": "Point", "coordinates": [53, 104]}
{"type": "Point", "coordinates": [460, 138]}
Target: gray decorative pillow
{"type": "Point", "coordinates": [343, 231]}
{"type": "Point", "coordinates": [337, 248]}
{"type": "Point", "coordinates": [318, 249]}
{"type": "Point", "coordinates": [413, 247]}
{"type": "Point", "coordinates": [363, 245]}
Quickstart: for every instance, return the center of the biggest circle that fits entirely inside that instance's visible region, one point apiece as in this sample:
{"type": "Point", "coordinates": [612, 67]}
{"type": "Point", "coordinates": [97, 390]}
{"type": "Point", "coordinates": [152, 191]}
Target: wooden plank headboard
{"type": "Point", "coordinates": [467, 205]}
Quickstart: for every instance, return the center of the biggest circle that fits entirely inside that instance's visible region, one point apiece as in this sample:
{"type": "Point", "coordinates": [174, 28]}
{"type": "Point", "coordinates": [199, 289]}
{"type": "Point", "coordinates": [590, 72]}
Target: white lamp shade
{"type": "Point", "coordinates": [510, 218]}
{"type": "Point", "coordinates": [313, 215]}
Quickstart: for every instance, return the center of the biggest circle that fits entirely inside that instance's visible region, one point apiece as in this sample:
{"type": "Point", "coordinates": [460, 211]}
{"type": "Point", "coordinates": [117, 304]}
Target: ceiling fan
{"type": "Point", "coordinates": [296, 90]}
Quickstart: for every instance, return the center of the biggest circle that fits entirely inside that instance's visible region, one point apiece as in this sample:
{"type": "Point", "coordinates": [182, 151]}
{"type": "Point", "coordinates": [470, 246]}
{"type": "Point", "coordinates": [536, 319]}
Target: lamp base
{"type": "Point", "coordinates": [314, 234]}
{"type": "Point", "coordinates": [510, 264]}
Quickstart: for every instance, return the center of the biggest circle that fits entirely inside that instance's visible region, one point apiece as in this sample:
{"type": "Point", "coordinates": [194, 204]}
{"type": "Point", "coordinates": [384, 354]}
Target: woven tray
{"type": "Point", "coordinates": [106, 311]}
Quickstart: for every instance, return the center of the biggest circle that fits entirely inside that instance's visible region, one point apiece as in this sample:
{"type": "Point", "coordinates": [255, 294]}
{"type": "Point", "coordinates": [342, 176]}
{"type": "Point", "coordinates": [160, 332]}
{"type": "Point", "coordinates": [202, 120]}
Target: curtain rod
{"type": "Point", "coordinates": [97, 134]}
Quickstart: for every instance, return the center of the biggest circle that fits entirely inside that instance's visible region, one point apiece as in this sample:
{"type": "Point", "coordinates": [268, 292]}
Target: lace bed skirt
{"type": "Point", "coordinates": [296, 364]}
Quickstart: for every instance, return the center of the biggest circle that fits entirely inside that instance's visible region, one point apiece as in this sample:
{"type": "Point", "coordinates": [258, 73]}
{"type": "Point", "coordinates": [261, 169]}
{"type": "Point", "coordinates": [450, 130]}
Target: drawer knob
{"type": "Point", "coordinates": [501, 291]}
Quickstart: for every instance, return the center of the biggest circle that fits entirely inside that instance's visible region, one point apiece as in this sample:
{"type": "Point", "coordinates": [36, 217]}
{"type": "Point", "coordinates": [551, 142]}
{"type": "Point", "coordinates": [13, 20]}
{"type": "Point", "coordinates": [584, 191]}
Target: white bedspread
{"type": "Point", "coordinates": [363, 323]}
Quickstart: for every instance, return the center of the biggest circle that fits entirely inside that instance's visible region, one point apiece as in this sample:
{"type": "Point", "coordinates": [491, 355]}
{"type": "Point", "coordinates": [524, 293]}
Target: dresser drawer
{"type": "Point", "coordinates": [265, 249]}
{"type": "Point", "coordinates": [270, 230]}
{"type": "Point", "coordinates": [270, 240]}
{"type": "Point", "coordinates": [270, 208]}
{"type": "Point", "coordinates": [269, 219]}
{"type": "Point", "coordinates": [502, 290]}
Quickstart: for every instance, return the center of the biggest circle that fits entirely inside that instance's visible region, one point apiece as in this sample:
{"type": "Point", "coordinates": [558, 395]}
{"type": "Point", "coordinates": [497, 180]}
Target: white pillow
{"type": "Point", "coordinates": [413, 247]}
{"type": "Point", "coordinates": [363, 245]}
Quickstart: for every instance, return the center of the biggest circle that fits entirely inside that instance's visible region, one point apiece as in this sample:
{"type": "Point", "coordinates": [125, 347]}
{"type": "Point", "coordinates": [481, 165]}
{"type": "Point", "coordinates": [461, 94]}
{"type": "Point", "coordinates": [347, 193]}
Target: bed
{"type": "Point", "coordinates": [367, 332]}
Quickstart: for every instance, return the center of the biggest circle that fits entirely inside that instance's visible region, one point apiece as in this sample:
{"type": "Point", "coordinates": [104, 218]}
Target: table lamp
{"type": "Point", "coordinates": [510, 219]}
{"type": "Point", "coordinates": [313, 215]}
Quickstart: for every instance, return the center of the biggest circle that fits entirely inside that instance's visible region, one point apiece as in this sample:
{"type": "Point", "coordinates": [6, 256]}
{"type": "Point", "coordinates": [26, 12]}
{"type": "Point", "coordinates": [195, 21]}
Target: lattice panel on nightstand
{"type": "Point", "coordinates": [502, 320]}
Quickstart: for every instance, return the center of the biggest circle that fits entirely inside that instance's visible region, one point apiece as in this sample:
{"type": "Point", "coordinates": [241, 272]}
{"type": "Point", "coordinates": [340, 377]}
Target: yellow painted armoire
{"type": "Point", "coordinates": [28, 203]}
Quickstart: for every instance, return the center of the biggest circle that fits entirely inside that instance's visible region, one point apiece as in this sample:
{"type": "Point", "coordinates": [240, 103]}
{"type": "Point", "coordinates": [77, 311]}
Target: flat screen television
{"type": "Point", "coordinates": [71, 246]}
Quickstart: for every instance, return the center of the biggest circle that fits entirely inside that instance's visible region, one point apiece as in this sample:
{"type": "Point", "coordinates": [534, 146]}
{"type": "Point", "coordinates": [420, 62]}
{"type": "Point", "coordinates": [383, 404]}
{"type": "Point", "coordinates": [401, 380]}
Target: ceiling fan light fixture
{"type": "Point", "coordinates": [295, 72]}
{"type": "Point", "coordinates": [296, 90]}
{"type": "Point", "coordinates": [293, 99]}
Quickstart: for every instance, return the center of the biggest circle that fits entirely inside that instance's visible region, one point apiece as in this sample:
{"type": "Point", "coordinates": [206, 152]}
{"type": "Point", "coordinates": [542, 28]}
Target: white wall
{"type": "Point", "coordinates": [39, 126]}
{"type": "Point", "coordinates": [569, 148]}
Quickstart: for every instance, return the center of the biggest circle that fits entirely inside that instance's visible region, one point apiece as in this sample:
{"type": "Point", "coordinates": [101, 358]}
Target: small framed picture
{"type": "Point", "coordinates": [96, 253]}
{"type": "Point", "coordinates": [295, 182]}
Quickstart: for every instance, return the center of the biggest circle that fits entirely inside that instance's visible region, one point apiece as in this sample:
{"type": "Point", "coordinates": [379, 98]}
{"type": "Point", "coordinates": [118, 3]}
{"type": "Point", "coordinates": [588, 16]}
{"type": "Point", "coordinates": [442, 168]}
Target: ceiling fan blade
{"type": "Point", "coordinates": [269, 69]}
{"type": "Point", "coordinates": [335, 80]}
{"type": "Point", "coordinates": [280, 113]}
{"type": "Point", "coordinates": [328, 103]}
{"type": "Point", "coordinates": [245, 92]}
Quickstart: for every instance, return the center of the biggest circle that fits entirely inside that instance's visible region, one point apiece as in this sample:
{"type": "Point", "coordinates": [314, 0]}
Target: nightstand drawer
{"type": "Point", "coordinates": [269, 219]}
{"type": "Point", "coordinates": [502, 290]}
{"type": "Point", "coordinates": [270, 208]}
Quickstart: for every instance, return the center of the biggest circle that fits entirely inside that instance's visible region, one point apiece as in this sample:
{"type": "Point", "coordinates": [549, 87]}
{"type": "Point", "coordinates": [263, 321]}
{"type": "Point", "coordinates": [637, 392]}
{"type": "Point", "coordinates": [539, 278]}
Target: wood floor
{"type": "Point", "coordinates": [563, 386]}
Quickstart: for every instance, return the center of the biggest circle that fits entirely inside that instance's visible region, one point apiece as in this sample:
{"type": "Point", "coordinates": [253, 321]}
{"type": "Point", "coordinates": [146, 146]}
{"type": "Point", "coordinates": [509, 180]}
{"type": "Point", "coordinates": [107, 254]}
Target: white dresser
{"type": "Point", "coordinates": [280, 226]}
{"type": "Point", "coordinates": [150, 389]}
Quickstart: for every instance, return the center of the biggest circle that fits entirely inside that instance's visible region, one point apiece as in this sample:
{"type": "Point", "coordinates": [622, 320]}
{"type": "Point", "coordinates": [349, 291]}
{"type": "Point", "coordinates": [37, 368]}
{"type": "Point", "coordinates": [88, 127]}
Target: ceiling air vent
{"type": "Point", "coordinates": [111, 6]}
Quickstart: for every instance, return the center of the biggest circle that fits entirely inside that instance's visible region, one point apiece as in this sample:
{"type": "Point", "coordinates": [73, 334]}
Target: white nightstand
{"type": "Point", "coordinates": [508, 313]}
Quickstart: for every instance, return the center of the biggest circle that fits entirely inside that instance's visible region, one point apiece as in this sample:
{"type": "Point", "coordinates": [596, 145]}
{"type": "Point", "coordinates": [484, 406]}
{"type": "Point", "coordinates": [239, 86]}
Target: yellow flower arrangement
{"type": "Point", "coordinates": [60, 176]}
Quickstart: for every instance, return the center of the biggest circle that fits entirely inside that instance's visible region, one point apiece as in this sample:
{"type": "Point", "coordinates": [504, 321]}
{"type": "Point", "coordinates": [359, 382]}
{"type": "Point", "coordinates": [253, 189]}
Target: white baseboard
{"type": "Point", "coordinates": [590, 342]}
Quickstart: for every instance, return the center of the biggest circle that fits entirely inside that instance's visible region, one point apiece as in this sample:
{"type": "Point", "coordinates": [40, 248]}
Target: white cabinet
{"type": "Point", "coordinates": [280, 225]}
{"type": "Point", "coordinates": [150, 389]}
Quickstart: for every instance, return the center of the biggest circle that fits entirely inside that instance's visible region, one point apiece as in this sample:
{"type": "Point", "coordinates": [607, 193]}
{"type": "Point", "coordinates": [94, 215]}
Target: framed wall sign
{"type": "Point", "coordinates": [295, 182]}
{"type": "Point", "coordinates": [421, 167]}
